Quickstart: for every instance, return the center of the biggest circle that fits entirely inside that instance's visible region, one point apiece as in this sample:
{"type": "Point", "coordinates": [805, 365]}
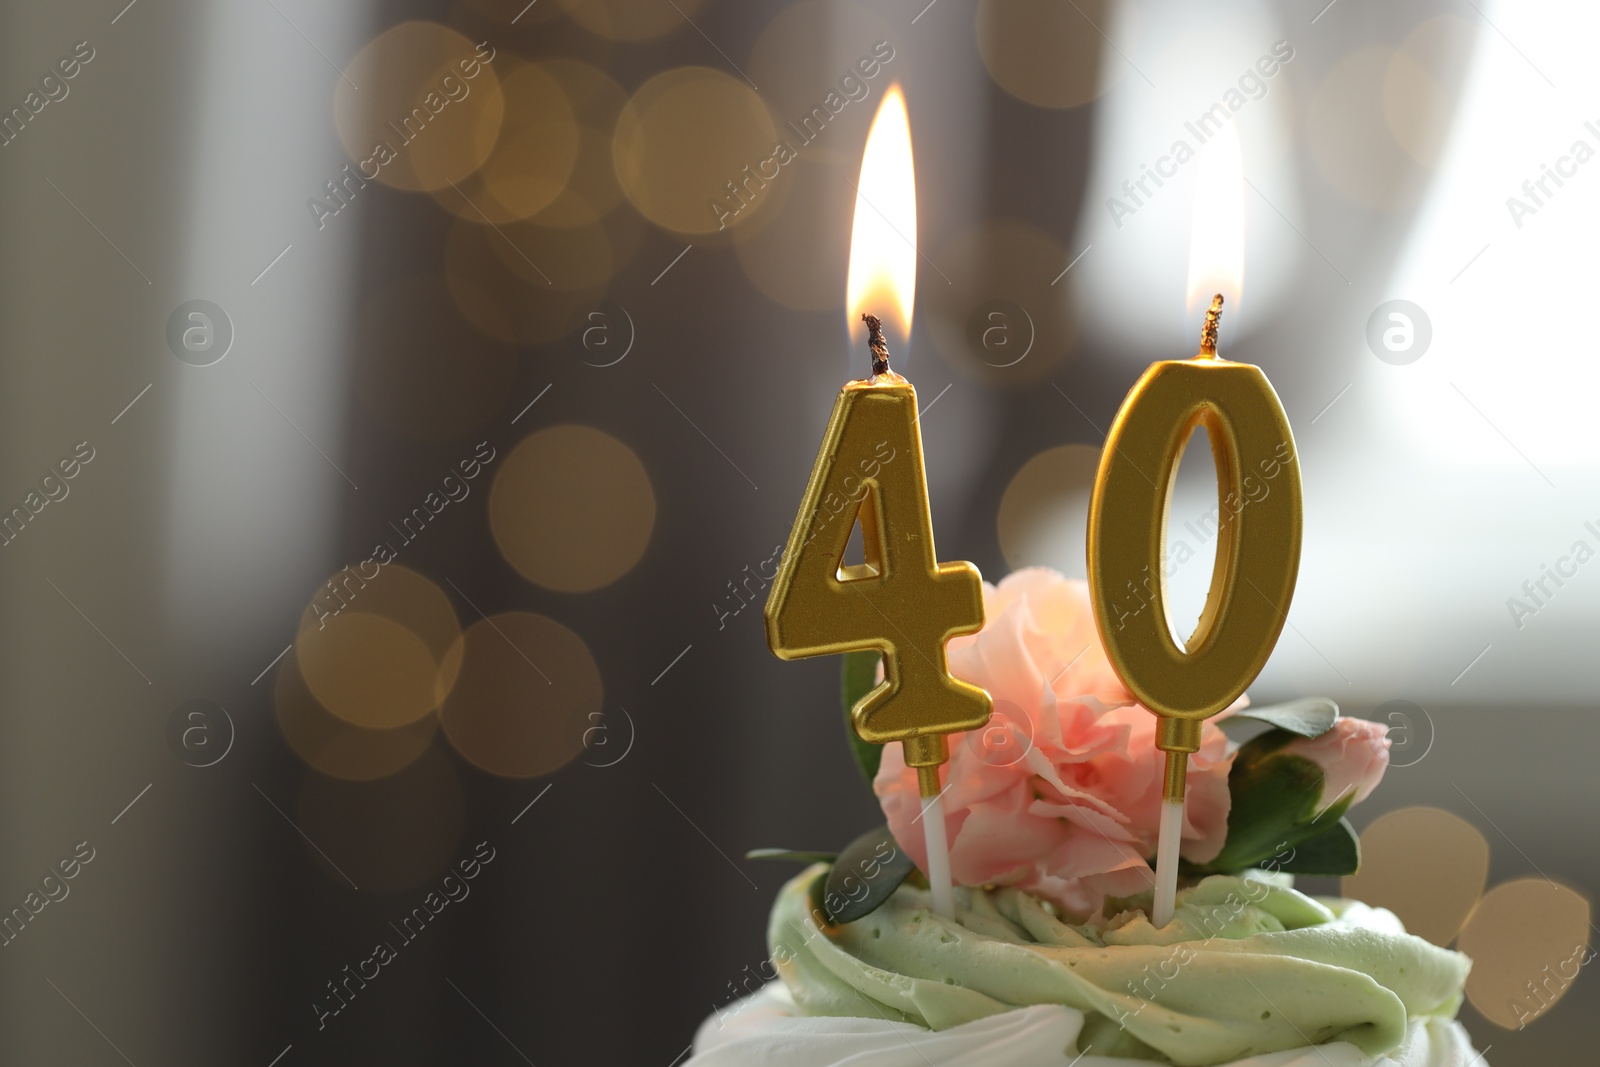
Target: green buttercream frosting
{"type": "Point", "coordinates": [1247, 966]}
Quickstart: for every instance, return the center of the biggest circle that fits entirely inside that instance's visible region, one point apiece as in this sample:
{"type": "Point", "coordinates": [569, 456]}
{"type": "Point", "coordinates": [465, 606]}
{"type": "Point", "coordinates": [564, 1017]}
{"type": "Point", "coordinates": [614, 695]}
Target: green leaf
{"type": "Point", "coordinates": [1307, 717]}
{"type": "Point", "coordinates": [790, 855]}
{"type": "Point", "coordinates": [1266, 810]}
{"type": "Point", "coordinates": [865, 875]}
{"type": "Point", "coordinates": [1336, 851]}
{"type": "Point", "coordinates": [856, 680]}
{"type": "Point", "coordinates": [1274, 808]}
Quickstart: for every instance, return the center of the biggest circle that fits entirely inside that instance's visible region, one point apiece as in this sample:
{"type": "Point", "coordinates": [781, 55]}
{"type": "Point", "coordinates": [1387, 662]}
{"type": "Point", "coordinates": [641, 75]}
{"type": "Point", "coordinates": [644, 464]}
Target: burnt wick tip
{"type": "Point", "coordinates": [1208, 332]}
{"type": "Point", "coordinates": [876, 343]}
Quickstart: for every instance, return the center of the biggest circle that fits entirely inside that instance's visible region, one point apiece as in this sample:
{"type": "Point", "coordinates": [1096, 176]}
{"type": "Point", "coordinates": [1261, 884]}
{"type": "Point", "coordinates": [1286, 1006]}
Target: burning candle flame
{"type": "Point", "coordinates": [1216, 235]}
{"type": "Point", "coordinates": [883, 238]}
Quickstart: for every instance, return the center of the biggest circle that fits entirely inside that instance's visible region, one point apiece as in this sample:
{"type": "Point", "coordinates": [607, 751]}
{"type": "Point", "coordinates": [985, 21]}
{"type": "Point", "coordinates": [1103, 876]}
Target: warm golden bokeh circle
{"type": "Point", "coordinates": [519, 13]}
{"type": "Point", "coordinates": [596, 100]}
{"type": "Point", "coordinates": [1427, 866]}
{"type": "Point", "coordinates": [419, 370]}
{"type": "Point", "coordinates": [423, 92]}
{"type": "Point", "coordinates": [389, 835]}
{"type": "Point", "coordinates": [1528, 940]}
{"type": "Point", "coordinates": [335, 746]}
{"type": "Point", "coordinates": [632, 20]}
{"type": "Point", "coordinates": [1048, 53]}
{"type": "Point", "coordinates": [595, 96]}
{"type": "Point", "coordinates": [533, 156]}
{"type": "Point", "coordinates": [593, 192]}
{"type": "Point", "coordinates": [522, 702]}
{"type": "Point", "coordinates": [572, 508]}
{"type": "Point", "coordinates": [372, 650]}
{"type": "Point", "coordinates": [576, 258]}
{"type": "Point", "coordinates": [683, 136]}
{"type": "Point", "coordinates": [395, 591]}
{"type": "Point", "coordinates": [1045, 506]}
{"type": "Point", "coordinates": [369, 670]}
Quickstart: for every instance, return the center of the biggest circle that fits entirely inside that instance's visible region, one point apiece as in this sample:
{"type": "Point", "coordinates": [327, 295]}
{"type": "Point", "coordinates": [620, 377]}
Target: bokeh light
{"type": "Point", "coordinates": [373, 650]}
{"type": "Point", "coordinates": [1528, 940]}
{"type": "Point", "coordinates": [596, 101]}
{"type": "Point", "coordinates": [418, 371]}
{"type": "Point", "coordinates": [368, 669]}
{"type": "Point", "coordinates": [533, 156]}
{"type": "Point", "coordinates": [572, 508]}
{"type": "Point", "coordinates": [335, 746]}
{"type": "Point", "coordinates": [419, 107]}
{"type": "Point", "coordinates": [522, 702]}
{"type": "Point", "coordinates": [682, 138]}
{"type": "Point", "coordinates": [1427, 866]}
{"type": "Point", "coordinates": [398, 593]}
{"type": "Point", "coordinates": [1047, 53]}
{"type": "Point", "coordinates": [1045, 508]}
{"type": "Point", "coordinates": [524, 15]}
{"type": "Point", "coordinates": [631, 20]}
{"type": "Point", "coordinates": [575, 258]}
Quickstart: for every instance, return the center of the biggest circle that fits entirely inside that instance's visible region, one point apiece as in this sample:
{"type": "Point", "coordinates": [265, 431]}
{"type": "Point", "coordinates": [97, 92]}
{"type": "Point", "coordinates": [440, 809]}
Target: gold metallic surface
{"type": "Point", "coordinates": [928, 776]}
{"type": "Point", "coordinates": [900, 601]}
{"type": "Point", "coordinates": [1178, 735]}
{"type": "Point", "coordinates": [1177, 775]}
{"type": "Point", "coordinates": [1258, 537]}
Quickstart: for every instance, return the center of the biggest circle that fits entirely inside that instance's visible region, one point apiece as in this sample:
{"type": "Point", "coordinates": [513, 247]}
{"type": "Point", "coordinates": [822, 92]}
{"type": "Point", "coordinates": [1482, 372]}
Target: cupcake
{"type": "Point", "coordinates": [1051, 957]}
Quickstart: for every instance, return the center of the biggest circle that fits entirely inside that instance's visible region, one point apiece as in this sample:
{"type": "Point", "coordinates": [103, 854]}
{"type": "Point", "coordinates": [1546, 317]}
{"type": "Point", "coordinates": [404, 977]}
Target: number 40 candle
{"type": "Point", "coordinates": [900, 601]}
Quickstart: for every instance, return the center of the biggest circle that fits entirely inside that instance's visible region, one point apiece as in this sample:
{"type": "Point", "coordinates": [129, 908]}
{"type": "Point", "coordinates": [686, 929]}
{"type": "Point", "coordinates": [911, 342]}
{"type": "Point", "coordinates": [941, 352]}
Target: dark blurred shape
{"type": "Point", "coordinates": [419, 371]}
{"type": "Point", "coordinates": [387, 835]}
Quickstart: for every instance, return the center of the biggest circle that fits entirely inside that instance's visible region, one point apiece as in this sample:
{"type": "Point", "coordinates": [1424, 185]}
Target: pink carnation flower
{"type": "Point", "coordinates": [1060, 794]}
{"type": "Point", "coordinates": [1353, 756]}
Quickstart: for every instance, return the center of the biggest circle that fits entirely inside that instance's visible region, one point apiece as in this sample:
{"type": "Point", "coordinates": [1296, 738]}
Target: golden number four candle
{"type": "Point", "coordinates": [901, 601]}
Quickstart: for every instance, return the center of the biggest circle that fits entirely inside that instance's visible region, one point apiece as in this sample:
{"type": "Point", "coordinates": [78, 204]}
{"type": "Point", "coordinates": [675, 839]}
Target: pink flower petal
{"type": "Point", "coordinates": [1061, 794]}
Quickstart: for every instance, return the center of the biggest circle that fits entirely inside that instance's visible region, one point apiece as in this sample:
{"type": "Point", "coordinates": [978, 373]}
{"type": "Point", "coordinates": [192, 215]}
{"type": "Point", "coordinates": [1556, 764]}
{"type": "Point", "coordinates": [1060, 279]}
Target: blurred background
{"type": "Point", "coordinates": [399, 403]}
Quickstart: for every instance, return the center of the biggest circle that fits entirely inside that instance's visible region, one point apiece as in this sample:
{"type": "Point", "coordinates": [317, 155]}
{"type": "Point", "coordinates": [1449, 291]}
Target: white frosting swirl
{"type": "Point", "coordinates": [768, 1030]}
{"type": "Point", "coordinates": [1249, 974]}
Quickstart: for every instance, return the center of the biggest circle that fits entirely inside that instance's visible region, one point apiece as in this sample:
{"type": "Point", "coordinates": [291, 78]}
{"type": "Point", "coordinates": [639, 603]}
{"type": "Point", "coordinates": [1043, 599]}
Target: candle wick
{"type": "Point", "coordinates": [1208, 332]}
{"type": "Point", "coordinates": [875, 342]}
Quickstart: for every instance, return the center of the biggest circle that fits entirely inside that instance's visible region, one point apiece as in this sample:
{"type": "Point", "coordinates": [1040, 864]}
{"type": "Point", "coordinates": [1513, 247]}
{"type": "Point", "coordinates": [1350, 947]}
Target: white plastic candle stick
{"type": "Point", "coordinates": [933, 833]}
{"type": "Point", "coordinates": [1167, 862]}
